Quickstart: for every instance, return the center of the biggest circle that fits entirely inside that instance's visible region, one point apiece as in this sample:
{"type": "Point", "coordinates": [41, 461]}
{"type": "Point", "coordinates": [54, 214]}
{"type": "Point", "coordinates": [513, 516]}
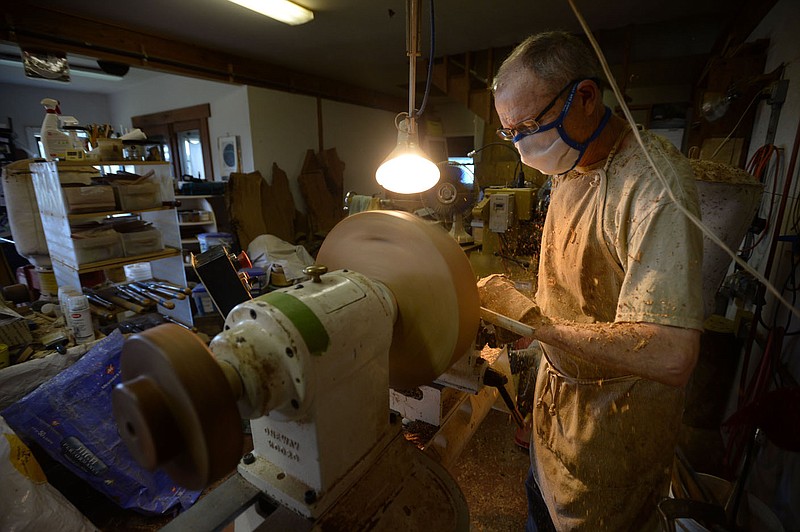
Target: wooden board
{"type": "Point", "coordinates": [278, 206]}
{"type": "Point", "coordinates": [244, 206]}
{"type": "Point", "coordinates": [325, 208]}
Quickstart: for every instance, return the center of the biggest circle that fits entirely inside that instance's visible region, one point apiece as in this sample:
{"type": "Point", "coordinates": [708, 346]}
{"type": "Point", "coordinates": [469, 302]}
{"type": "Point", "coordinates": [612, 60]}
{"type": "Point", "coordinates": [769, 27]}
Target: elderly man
{"type": "Point", "coordinates": [618, 306]}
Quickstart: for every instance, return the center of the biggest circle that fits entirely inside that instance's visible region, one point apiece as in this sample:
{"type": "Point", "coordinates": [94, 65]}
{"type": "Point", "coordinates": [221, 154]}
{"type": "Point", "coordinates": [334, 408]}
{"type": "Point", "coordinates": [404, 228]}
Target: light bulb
{"type": "Point", "coordinates": [407, 173]}
{"type": "Point", "coordinates": [407, 170]}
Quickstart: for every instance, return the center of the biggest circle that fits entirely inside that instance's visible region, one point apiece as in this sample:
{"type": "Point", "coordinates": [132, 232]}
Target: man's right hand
{"type": "Point", "coordinates": [498, 293]}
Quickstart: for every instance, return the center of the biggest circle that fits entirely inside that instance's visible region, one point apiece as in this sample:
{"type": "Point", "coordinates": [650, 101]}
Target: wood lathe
{"type": "Point", "coordinates": [392, 302]}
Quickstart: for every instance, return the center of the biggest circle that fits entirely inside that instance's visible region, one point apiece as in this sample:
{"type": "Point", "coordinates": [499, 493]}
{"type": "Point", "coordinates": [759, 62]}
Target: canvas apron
{"type": "Point", "coordinates": [602, 442]}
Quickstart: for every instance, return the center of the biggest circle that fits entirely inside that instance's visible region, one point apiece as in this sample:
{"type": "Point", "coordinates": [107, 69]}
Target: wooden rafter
{"type": "Point", "coordinates": [48, 28]}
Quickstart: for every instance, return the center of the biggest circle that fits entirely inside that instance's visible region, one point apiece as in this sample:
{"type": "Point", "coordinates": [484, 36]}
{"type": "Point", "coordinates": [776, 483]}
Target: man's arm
{"type": "Point", "coordinates": [656, 352]}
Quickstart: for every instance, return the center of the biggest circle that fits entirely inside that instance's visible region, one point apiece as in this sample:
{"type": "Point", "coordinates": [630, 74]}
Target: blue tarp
{"type": "Point", "coordinates": [70, 417]}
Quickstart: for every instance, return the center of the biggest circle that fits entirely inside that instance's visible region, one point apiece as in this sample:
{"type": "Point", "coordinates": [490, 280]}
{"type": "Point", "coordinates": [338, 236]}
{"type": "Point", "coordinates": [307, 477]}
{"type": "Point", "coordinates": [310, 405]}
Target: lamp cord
{"type": "Point", "coordinates": [430, 67]}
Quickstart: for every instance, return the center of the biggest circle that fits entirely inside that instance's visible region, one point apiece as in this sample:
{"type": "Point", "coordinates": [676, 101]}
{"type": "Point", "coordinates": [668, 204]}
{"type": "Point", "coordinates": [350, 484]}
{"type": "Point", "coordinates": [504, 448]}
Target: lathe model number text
{"type": "Point", "coordinates": [283, 444]}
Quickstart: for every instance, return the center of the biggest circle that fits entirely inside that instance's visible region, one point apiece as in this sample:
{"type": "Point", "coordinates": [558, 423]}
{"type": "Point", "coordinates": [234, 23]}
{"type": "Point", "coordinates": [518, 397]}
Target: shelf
{"type": "Point", "coordinates": [189, 241]}
{"type": "Point", "coordinates": [190, 224]}
{"type": "Point", "coordinates": [87, 162]}
{"type": "Point", "coordinates": [197, 196]}
{"type": "Point", "coordinates": [85, 215]}
{"type": "Point", "coordinates": [164, 264]}
{"type": "Point", "coordinates": [122, 261]}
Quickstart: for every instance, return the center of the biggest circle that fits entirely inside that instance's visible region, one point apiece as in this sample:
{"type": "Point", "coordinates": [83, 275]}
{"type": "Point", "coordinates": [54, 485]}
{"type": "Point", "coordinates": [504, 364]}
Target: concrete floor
{"type": "Point", "coordinates": [491, 472]}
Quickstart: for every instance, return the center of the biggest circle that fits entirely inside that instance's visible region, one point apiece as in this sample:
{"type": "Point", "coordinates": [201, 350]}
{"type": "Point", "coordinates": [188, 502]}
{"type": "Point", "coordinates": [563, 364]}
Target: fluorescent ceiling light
{"type": "Point", "coordinates": [282, 10]}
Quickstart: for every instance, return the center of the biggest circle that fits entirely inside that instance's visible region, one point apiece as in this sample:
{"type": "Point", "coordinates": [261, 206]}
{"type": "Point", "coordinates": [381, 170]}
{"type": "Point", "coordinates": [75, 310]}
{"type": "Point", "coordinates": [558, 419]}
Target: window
{"type": "Point", "coordinates": [185, 135]}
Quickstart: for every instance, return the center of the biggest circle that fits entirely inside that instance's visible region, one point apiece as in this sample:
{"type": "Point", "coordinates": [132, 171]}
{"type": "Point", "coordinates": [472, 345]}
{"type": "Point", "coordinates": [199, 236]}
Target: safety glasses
{"type": "Point", "coordinates": [529, 126]}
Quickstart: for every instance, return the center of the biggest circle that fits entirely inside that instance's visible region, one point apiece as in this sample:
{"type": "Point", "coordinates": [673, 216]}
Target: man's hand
{"type": "Point", "coordinates": [498, 293]}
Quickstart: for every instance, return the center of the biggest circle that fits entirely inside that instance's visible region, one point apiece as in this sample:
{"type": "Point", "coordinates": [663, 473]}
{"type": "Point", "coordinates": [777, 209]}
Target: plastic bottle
{"type": "Point", "coordinates": [56, 143]}
{"type": "Point", "coordinates": [81, 318]}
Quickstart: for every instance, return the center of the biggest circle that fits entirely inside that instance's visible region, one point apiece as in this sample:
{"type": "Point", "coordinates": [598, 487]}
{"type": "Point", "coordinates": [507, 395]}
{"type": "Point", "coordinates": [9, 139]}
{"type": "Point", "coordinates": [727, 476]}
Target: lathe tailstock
{"type": "Point", "coordinates": [311, 366]}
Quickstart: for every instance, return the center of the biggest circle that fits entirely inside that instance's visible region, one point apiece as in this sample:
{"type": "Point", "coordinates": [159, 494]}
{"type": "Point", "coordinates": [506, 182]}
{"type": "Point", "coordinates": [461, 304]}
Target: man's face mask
{"type": "Point", "coordinates": [548, 153]}
{"type": "Point", "coordinates": [548, 147]}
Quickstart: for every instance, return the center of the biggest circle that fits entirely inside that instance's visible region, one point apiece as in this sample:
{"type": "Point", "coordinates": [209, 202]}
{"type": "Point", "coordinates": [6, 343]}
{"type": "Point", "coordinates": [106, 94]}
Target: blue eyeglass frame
{"type": "Point", "coordinates": [513, 134]}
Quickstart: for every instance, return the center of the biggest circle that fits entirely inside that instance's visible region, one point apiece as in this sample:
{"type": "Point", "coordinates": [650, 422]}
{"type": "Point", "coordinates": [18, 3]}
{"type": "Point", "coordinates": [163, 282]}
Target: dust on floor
{"type": "Point", "coordinates": [491, 472]}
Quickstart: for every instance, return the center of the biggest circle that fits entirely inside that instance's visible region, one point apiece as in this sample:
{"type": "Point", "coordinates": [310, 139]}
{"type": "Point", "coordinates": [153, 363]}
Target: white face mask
{"type": "Point", "coordinates": [547, 152]}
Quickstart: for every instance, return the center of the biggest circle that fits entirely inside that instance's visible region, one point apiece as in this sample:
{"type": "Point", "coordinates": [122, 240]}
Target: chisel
{"type": "Point", "coordinates": [128, 293]}
{"type": "Point", "coordinates": [98, 300]}
{"type": "Point", "coordinates": [174, 288]}
{"type": "Point", "coordinates": [176, 322]}
{"type": "Point", "coordinates": [152, 296]}
{"type": "Point", "coordinates": [126, 304]}
{"type": "Point", "coordinates": [167, 291]}
{"type": "Point", "coordinates": [100, 312]}
{"type": "Point", "coordinates": [166, 294]}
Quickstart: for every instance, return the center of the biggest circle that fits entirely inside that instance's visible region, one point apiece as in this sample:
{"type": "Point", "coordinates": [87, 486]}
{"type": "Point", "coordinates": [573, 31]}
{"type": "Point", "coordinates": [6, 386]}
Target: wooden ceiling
{"type": "Point", "coordinates": [354, 50]}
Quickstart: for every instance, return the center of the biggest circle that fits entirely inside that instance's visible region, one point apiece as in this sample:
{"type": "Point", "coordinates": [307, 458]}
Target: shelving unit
{"type": "Point", "coordinates": [166, 265]}
{"type": "Point", "coordinates": [189, 230]}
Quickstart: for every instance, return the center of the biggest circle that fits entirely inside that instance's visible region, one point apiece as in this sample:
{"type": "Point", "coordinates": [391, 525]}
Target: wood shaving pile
{"type": "Point", "coordinates": [720, 173]}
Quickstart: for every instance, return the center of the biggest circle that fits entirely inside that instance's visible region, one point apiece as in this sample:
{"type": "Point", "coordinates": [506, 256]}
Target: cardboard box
{"type": "Point", "coordinates": [92, 198]}
{"type": "Point", "coordinates": [14, 331]}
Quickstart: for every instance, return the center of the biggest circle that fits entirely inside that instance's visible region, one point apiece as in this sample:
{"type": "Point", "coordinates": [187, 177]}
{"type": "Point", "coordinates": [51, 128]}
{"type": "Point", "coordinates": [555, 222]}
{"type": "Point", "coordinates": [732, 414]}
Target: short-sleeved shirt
{"type": "Point", "coordinates": [615, 248]}
{"type": "Point", "coordinates": [648, 265]}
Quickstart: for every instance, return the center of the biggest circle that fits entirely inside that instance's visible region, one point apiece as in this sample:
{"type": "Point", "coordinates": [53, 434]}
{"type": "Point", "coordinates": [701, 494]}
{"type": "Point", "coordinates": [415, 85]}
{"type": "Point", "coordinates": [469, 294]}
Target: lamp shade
{"type": "Point", "coordinates": [407, 170]}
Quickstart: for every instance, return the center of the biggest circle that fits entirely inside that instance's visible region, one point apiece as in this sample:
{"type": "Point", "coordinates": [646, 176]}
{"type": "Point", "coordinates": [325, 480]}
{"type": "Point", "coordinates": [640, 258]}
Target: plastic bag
{"type": "Point", "coordinates": [29, 503]}
{"type": "Point", "coordinates": [70, 418]}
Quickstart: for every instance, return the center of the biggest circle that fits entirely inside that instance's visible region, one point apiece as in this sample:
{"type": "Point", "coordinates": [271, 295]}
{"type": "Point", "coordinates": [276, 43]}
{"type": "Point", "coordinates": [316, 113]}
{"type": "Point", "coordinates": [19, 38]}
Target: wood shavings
{"type": "Point", "coordinates": [720, 173]}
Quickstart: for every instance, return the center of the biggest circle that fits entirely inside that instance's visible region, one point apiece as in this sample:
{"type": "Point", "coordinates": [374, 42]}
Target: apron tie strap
{"type": "Point", "coordinates": [553, 386]}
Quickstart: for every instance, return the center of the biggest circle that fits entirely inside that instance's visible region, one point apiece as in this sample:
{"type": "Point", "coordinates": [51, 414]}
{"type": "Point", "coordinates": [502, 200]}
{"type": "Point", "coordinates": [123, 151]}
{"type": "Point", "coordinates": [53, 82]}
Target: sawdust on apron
{"type": "Point", "coordinates": [602, 442]}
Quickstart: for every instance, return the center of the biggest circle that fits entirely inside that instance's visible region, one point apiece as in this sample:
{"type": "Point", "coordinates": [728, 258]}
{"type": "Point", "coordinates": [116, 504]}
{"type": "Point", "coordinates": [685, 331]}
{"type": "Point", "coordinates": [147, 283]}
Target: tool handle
{"type": "Point", "coordinates": [174, 288]}
{"type": "Point", "coordinates": [97, 300]}
{"type": "Point", "coordinates": [153, 296]}
{"type": "Point", "coordinates": [176, 322]}
{"type": "Point", "coordinates": [126, 304]}
{"type": "Point", "coordinates": [134, 295]}
{"type": "Point", "coordinates": [100, 312]}
{"type": "Point", "coordinates": [166, 294]}
{"type": "Point", "coordinates": [509, 324]}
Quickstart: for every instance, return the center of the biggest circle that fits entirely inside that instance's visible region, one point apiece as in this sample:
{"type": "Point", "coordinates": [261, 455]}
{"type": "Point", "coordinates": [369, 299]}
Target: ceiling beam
{"type": "Point", "coordinates": [40, 27]}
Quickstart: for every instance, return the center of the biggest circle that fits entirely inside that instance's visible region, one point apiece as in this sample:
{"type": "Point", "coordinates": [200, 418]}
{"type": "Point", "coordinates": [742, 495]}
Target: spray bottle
{"type": "Point", "coordinates": [56, 143]}
{"type": "Point", "coordinates": [81, 318]}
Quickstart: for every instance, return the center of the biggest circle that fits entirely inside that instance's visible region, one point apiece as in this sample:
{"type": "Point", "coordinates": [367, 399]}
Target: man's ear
{"type": "Point", "coordinates": [589, 96]}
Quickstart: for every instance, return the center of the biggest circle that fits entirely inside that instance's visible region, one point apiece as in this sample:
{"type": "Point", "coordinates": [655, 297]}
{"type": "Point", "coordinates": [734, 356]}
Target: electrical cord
{"type": "Point", "coordinates": [757, 167]}
{"type": "Point", "coordinates": [418, 114]}
{"type": "Point", "coordinates": [749, 105]}
{"type": "Point", "coordinates": [794, 288]}
{"type": "Point", "coordinates": [519, 180]}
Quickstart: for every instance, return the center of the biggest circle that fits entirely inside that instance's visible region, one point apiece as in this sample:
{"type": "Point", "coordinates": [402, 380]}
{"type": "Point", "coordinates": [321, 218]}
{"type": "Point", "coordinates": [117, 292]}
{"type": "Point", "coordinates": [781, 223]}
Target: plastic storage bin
{"type": "Point", "coordinates": [142, 242]}
{"type": "Point", "coordinates": [208, 240]}
{"type": "Point", "coordinates": [138, 197]}
{"type": "Point", "coordinates": [103, 246]}
{"type": "Point", "coordinates": [202, 301]}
